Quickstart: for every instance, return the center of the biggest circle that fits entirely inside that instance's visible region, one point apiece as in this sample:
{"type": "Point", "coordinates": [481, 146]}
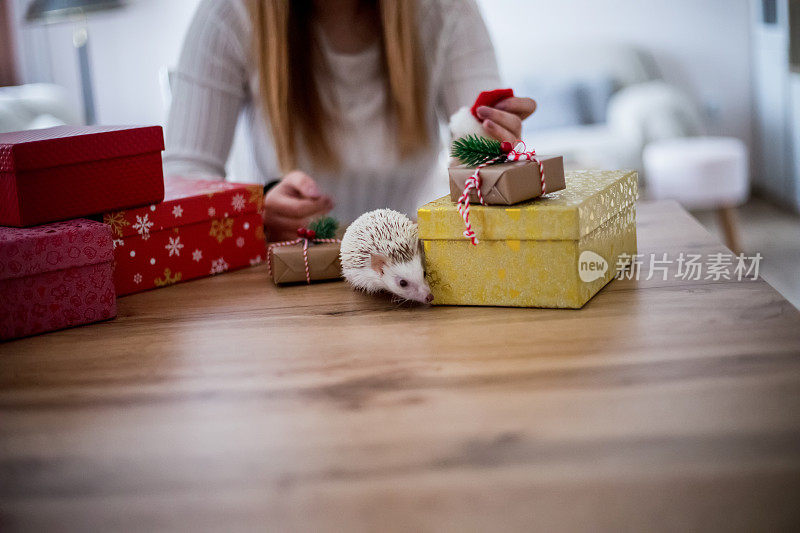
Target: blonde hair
{"type": "Point", "coordinates": [288, 55]}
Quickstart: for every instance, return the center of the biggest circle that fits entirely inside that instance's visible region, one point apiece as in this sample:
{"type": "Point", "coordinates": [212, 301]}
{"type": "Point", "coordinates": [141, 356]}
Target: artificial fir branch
{"type": "Point", "coordinates": [472, 150]}
{"type": "Point", "coordinates": [325, 227]}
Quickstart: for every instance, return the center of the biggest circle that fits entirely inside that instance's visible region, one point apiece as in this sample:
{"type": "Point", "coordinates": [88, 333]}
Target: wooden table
{"type": "Point", "coordinates": [227, 404]}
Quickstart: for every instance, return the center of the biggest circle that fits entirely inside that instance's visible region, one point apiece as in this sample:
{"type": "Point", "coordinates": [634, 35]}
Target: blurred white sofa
{"type": "Point", "coordinates": [599, 106]}
{"type": "Point", "coordinates": [37, 105]}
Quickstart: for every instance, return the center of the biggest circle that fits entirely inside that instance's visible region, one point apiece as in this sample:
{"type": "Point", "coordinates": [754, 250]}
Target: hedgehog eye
{"type": "Point", "coordinates": [403, 283]}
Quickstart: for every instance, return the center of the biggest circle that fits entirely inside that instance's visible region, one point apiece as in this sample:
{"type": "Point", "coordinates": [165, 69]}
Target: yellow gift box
{"type": "Point", "coordinates": [555, 251]}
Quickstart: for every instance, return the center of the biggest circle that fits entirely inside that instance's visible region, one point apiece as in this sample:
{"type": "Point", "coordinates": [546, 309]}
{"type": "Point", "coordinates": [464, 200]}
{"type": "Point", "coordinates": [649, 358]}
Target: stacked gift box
{"type": "Point", "coordinates": [517, 231]}
{"type": "Point", "coordinates": [55, 276]}
{"type": "Point", "coordinates": [201, 228]}
{"type": "Point", "coordinates": [59, 270]}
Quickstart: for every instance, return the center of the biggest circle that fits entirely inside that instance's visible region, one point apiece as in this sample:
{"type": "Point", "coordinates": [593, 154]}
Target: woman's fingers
{"type": "Point", "coordinates": [286, 204]}
{"type": "Point", "coordinates": [302, 183]}
{"type": "Point", "coordinates": [498, 132]}
{"type": "Point", "coordinates": [522, 107]}
{"type": "Point", "coordinates": [291, 204]}
{"type": "Point", "coordinates": [297, 196]}
{"type": "Point", "coordinates": [508, 121]}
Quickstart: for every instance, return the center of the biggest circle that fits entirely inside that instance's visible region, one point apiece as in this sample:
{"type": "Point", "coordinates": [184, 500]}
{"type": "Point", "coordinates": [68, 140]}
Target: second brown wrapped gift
{"type": "Point", "coordinates": [288, 265]}
{"type": "Point", "coordinates": [511, 182]}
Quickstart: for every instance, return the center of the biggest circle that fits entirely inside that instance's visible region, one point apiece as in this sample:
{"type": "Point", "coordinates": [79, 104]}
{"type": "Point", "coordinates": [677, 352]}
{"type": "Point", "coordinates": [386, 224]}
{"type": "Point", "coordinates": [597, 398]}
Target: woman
{"type": "Point", "coordinates": [343, 99]}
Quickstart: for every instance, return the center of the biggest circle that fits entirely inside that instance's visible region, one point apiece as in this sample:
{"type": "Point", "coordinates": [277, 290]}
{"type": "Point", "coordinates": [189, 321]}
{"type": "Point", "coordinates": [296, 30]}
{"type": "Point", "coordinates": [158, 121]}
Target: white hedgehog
{"type": "Point", "coordinates": [380, 252]}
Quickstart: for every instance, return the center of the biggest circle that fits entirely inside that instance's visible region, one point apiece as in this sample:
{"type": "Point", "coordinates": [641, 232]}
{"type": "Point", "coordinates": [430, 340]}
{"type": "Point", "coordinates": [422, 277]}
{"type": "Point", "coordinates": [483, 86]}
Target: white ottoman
{"type": "Point", "coordinates": [700, 173]}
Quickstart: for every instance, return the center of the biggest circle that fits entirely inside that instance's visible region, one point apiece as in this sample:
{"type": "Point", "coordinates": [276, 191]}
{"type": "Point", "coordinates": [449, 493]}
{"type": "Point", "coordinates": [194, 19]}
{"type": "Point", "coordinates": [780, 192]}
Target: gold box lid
{"type": "Point", "coordinates": [590, 199]}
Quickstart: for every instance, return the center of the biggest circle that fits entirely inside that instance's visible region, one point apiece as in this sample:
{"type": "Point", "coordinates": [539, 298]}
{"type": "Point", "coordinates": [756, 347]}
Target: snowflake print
{"type": "Point", "coordinates": [221, 229]}
{"type": "Point", "coordinates": [116, 221]}
{"type": "Point", "coordinates": [256, 193]}
{"type": "Point", "coordinates": [168, 279]}
{"type": "Point", "coordinates": [197, 255]}
{"type": "Point", "coordinates": [218, 266]}
{"type": "Point", "coordinates": [177, 211]}
{"type": "Point", "coordinates": [142, 226]}
{"type": "Point", "coordinates": [137, 278]}
{"type": "Point", "coordinates": [212, 211]}
{"type": "Point", "coordinates": [238, 202]}
{"type": "Point", "coordinates": [174, 246]}
{"type": "Point", "coordinates": [240, 242]}
{"type": "Point", "coordinates": [256, 260]}
{"type": "Point", "coordinates": [117, 242]}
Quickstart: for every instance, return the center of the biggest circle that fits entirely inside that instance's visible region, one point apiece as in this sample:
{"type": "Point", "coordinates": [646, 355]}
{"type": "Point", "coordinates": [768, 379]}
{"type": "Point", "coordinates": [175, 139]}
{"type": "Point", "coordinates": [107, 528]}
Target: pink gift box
{"type": "Point", "coordinates": [55, 276]}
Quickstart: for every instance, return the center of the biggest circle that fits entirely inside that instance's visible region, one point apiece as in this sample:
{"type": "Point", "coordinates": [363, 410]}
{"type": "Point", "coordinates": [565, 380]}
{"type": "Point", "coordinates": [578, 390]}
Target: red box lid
{"type": "Point", "coordinates": [187, 201]}
{"type": "Point", "coordinates": [74, 243]}
{"type": "Point", "coordinates": [67, 145]}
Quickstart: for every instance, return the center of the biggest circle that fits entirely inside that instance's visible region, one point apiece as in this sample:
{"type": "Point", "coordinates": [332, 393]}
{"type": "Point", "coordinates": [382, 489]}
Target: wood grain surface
{"type": "Point", "coordinates": [227, 404]}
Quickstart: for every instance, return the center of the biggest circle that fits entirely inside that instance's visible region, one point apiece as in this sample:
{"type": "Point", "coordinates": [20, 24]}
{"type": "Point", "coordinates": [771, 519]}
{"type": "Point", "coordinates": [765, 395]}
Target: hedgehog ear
{"type": "Point", "coordinates": [377, 262]}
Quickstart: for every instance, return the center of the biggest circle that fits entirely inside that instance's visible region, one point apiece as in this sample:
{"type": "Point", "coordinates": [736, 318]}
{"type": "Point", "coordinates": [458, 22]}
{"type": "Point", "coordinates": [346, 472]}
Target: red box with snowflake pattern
{"type": "Point", "coordinates": [67, 172]}
{"type": "Point", "coordinates": [202, 228]}
{"type": "Point", "coordinates": [55, 276]}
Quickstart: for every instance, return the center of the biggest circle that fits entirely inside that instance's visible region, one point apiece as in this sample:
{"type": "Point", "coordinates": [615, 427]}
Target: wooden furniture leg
{"type": "Point", "coordinates": [730, 228]}
{"type": "Point", "coordinates": [8, 75]}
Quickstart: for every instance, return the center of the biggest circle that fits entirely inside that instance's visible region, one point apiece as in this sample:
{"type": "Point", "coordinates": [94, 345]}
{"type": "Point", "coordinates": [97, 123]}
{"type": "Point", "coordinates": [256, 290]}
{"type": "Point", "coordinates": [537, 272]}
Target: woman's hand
{"type": "Point", "coordinates": [504, 120]}
{"type": "Point", "coordinates": [291, 204]}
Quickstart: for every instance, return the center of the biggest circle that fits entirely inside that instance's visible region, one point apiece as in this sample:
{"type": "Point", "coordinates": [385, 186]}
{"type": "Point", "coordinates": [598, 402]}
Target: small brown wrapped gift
{"type": "Point", "coordinates": [288, 265]}
{"type": "Point", "coordinates": [511, 182]}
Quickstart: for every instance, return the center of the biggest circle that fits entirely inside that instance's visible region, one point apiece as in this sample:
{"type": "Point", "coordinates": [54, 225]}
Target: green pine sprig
{"type": "Point", "coordinates": [325, 227]}
{"type": "Point", "coordinates": [472, 150]}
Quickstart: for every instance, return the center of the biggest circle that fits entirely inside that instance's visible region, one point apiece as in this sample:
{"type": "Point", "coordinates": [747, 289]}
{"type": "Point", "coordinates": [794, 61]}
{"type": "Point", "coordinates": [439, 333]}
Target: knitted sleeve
{"type": "Point", "coordinates": [469, 63]}
{"type": "Point", "coordinates": [208, 90]}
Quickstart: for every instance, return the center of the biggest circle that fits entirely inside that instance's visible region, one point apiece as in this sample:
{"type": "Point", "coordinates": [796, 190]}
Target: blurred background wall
{"type": "Point", "coordinates": [701, 46]}
{"type": "Point", "coordinates": [127, 49]}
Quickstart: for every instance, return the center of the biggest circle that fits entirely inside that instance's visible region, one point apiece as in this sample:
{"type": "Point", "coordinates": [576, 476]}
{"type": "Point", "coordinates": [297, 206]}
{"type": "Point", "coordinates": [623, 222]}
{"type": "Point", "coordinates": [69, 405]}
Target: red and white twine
{"type": "Point", "coordinates": [474, 182]}
{"type": "Point", "coordinates": [515, 155]}
{"type": "Point", "coordinates": [300, 240]}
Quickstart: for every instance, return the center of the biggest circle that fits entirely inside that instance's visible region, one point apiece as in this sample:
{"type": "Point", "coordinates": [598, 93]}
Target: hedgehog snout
{"type": "Point", "coordinates": [424, 294]}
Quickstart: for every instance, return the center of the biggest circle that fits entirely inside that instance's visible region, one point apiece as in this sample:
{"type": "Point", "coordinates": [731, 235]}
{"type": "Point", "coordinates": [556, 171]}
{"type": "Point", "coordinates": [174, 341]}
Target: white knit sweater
{"type": "Point", "coordinates": [216, 83]}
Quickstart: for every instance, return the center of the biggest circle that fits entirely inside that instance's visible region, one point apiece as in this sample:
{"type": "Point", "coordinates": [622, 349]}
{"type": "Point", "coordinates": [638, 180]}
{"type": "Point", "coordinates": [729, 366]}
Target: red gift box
{"type": "Point", "coordinates": [202, 228]}
{"type": "Point", "coordinates": [55, 276]}
{"type": "Point", "coordinates": [73, 171]}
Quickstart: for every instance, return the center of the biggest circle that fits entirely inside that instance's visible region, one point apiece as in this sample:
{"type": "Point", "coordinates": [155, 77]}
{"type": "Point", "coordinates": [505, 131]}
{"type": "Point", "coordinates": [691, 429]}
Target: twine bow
{"type": "Point", "coordinates": [304, 237]}
{"type": "Point", "coordinates": [517, 153]}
